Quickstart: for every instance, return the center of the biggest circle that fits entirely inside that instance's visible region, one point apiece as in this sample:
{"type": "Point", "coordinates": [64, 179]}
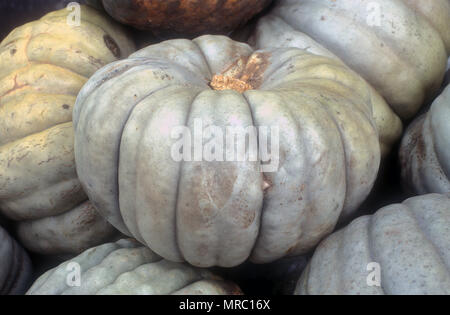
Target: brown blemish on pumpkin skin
{"type": "Point", "coordinates": [242, 75]}
{"type": "Point", "coordinates": [185, 17]}
{"type": "Point", "coordinates": [247, 218]}
{"type": "Point", "coordinates": [16, 87]}
{"type": "Point", "coordinates": [210, 190]}
{"type": "Point", "coordinates": [95, 62]}
{"type": "Point", "coordinates": [421, 148]}
{"type": "Point", "coordinates": [47, 161]}
{"type": "Point", "coordinates": [416, 141]}
{"type": "Point", "coordinates": [69, 193]}
{"type": "Point", "coordinates": [87, 216]}
{"type": "Point", "coordinates": [112, 46]}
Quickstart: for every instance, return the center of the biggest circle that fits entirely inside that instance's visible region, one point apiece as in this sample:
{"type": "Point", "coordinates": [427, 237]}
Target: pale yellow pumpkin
{"type": "Point", "coordinates": [43, 65]}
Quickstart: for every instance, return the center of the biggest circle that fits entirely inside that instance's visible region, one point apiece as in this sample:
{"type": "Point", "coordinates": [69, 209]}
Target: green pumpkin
{"type": "Point", "coordinates": [401, 249]}
{"type": "Point", "coordinates": [125, 267]}
{"type": "Point", "coordinates": [213, 213]}
{"type": "Point", "coordinates": [399, 46]}
{"type": "Point", "coordinates": [425, 150]}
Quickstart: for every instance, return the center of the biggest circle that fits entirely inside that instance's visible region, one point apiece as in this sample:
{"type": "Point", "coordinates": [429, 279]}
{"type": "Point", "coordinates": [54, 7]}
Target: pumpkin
{"type": "Point", "coordinates": [399, 46]}
{"type": "Point", "coordinates": [43, 65]}
{"type": "Point", "coordinates": [425, 150]}
{"type": "Point", "coordinates": [126, 267]}
{"type": "Point", "coordinates": [67, 233]}
{"type": "Point", "coordinates": [183, 17]}
{"type": "Point", "coordinates": [15, 266]}
{"type": "Point", "coordinates": [401, 249]}
{"type": "Point", "coordinates": [220, 211]}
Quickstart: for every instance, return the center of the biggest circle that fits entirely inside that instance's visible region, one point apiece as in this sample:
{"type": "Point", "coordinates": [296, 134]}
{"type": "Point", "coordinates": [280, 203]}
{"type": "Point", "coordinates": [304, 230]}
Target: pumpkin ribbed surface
{"type": "Point", "coordinates": [410, 242]}
{"type": "Point", "coordinates": [221, 213]}
{"type": "Point", "coordinates": [399, 46]}
{"type": "Point", "coordinates": [125, 267]}
{"type": "Point", "coordinates": [43, 65]}
{"type": "Point", "coordinates": [425, 150]}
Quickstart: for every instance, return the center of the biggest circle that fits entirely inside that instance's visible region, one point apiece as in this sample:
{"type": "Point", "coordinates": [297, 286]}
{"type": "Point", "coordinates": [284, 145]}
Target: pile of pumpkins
{"type": "Point", "coordinates": [88, 106]}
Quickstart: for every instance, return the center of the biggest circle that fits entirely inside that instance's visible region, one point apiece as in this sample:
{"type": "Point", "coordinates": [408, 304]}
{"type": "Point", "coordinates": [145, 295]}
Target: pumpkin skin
{"type": "Point", "coordinates": [410, 241]}
{"type": "Point", "coordinates": [15, 266]}
{"type": "Point", "coordinates": [126, 267]}
{"type": "Point", "coordinates": [437, 13]}
{"type": "Point", "coordinates": [190, 18]}
{"type": "Point", "coordinates": [447, 74]}
{"type": "Point", "coordinates": [67, 233]}
{"type": "Point", "coordinates": [43, 65]}
{"type": "Point", "coordinates": [403, 58]}
{"type": "Point", "coordinates": [272, 29]}
{"type": "Point", "coordinates": [425, 150]}
{"type": "Point", "coordinates": [220, 213]}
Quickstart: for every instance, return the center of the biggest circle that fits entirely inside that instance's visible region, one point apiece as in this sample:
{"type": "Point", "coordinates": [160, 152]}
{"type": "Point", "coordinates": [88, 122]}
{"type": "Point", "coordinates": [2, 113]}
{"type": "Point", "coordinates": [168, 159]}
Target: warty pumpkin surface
{"type": "Point", "coordinates": [400, 47]}
{"type": "Point", "coordinates": [126, 267]}
{"type": "Point", "coordinates": [43, 65]}
{"type": "Point", "coordinates": [220, 213]}
{"type": "Point", "coordinates": [425, 150]}
{"type": "Point", "coordinates": [184, 17]}
{"type": "Point", "coordinates": [409, 241]}
{"type": "Point", "coordinates": [15, 266]}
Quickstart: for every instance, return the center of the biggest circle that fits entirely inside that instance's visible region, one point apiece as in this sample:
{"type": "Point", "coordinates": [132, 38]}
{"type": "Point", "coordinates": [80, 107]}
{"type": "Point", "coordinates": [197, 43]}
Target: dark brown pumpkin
{"type": "Point", "coordinates": [184, 17]}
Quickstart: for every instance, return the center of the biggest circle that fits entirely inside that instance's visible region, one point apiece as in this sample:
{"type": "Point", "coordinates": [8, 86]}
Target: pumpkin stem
{"type": "Point", "coordinates": [220, 83]}
{"type": "Point", "coordinates": [244, 74]}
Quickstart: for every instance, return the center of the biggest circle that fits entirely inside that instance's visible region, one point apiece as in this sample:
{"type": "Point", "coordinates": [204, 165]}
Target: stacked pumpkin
{"type": "Point", "coordinates": [43, 65]}
{"type": "Point", "coordinates": [171, 18]}
{"type": "Point", "coordinates": [402, 249]}
{"type": "Point", "coordinates": [328, 113]}
{"type": "Point", "coordinates": [399, 46]}
{"type": "Point", "coordinates": [213, 213]}
{"type": "Point", "coordinates": [425, 150]}
{"type": "Point", "coordinates": [130, 269]}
